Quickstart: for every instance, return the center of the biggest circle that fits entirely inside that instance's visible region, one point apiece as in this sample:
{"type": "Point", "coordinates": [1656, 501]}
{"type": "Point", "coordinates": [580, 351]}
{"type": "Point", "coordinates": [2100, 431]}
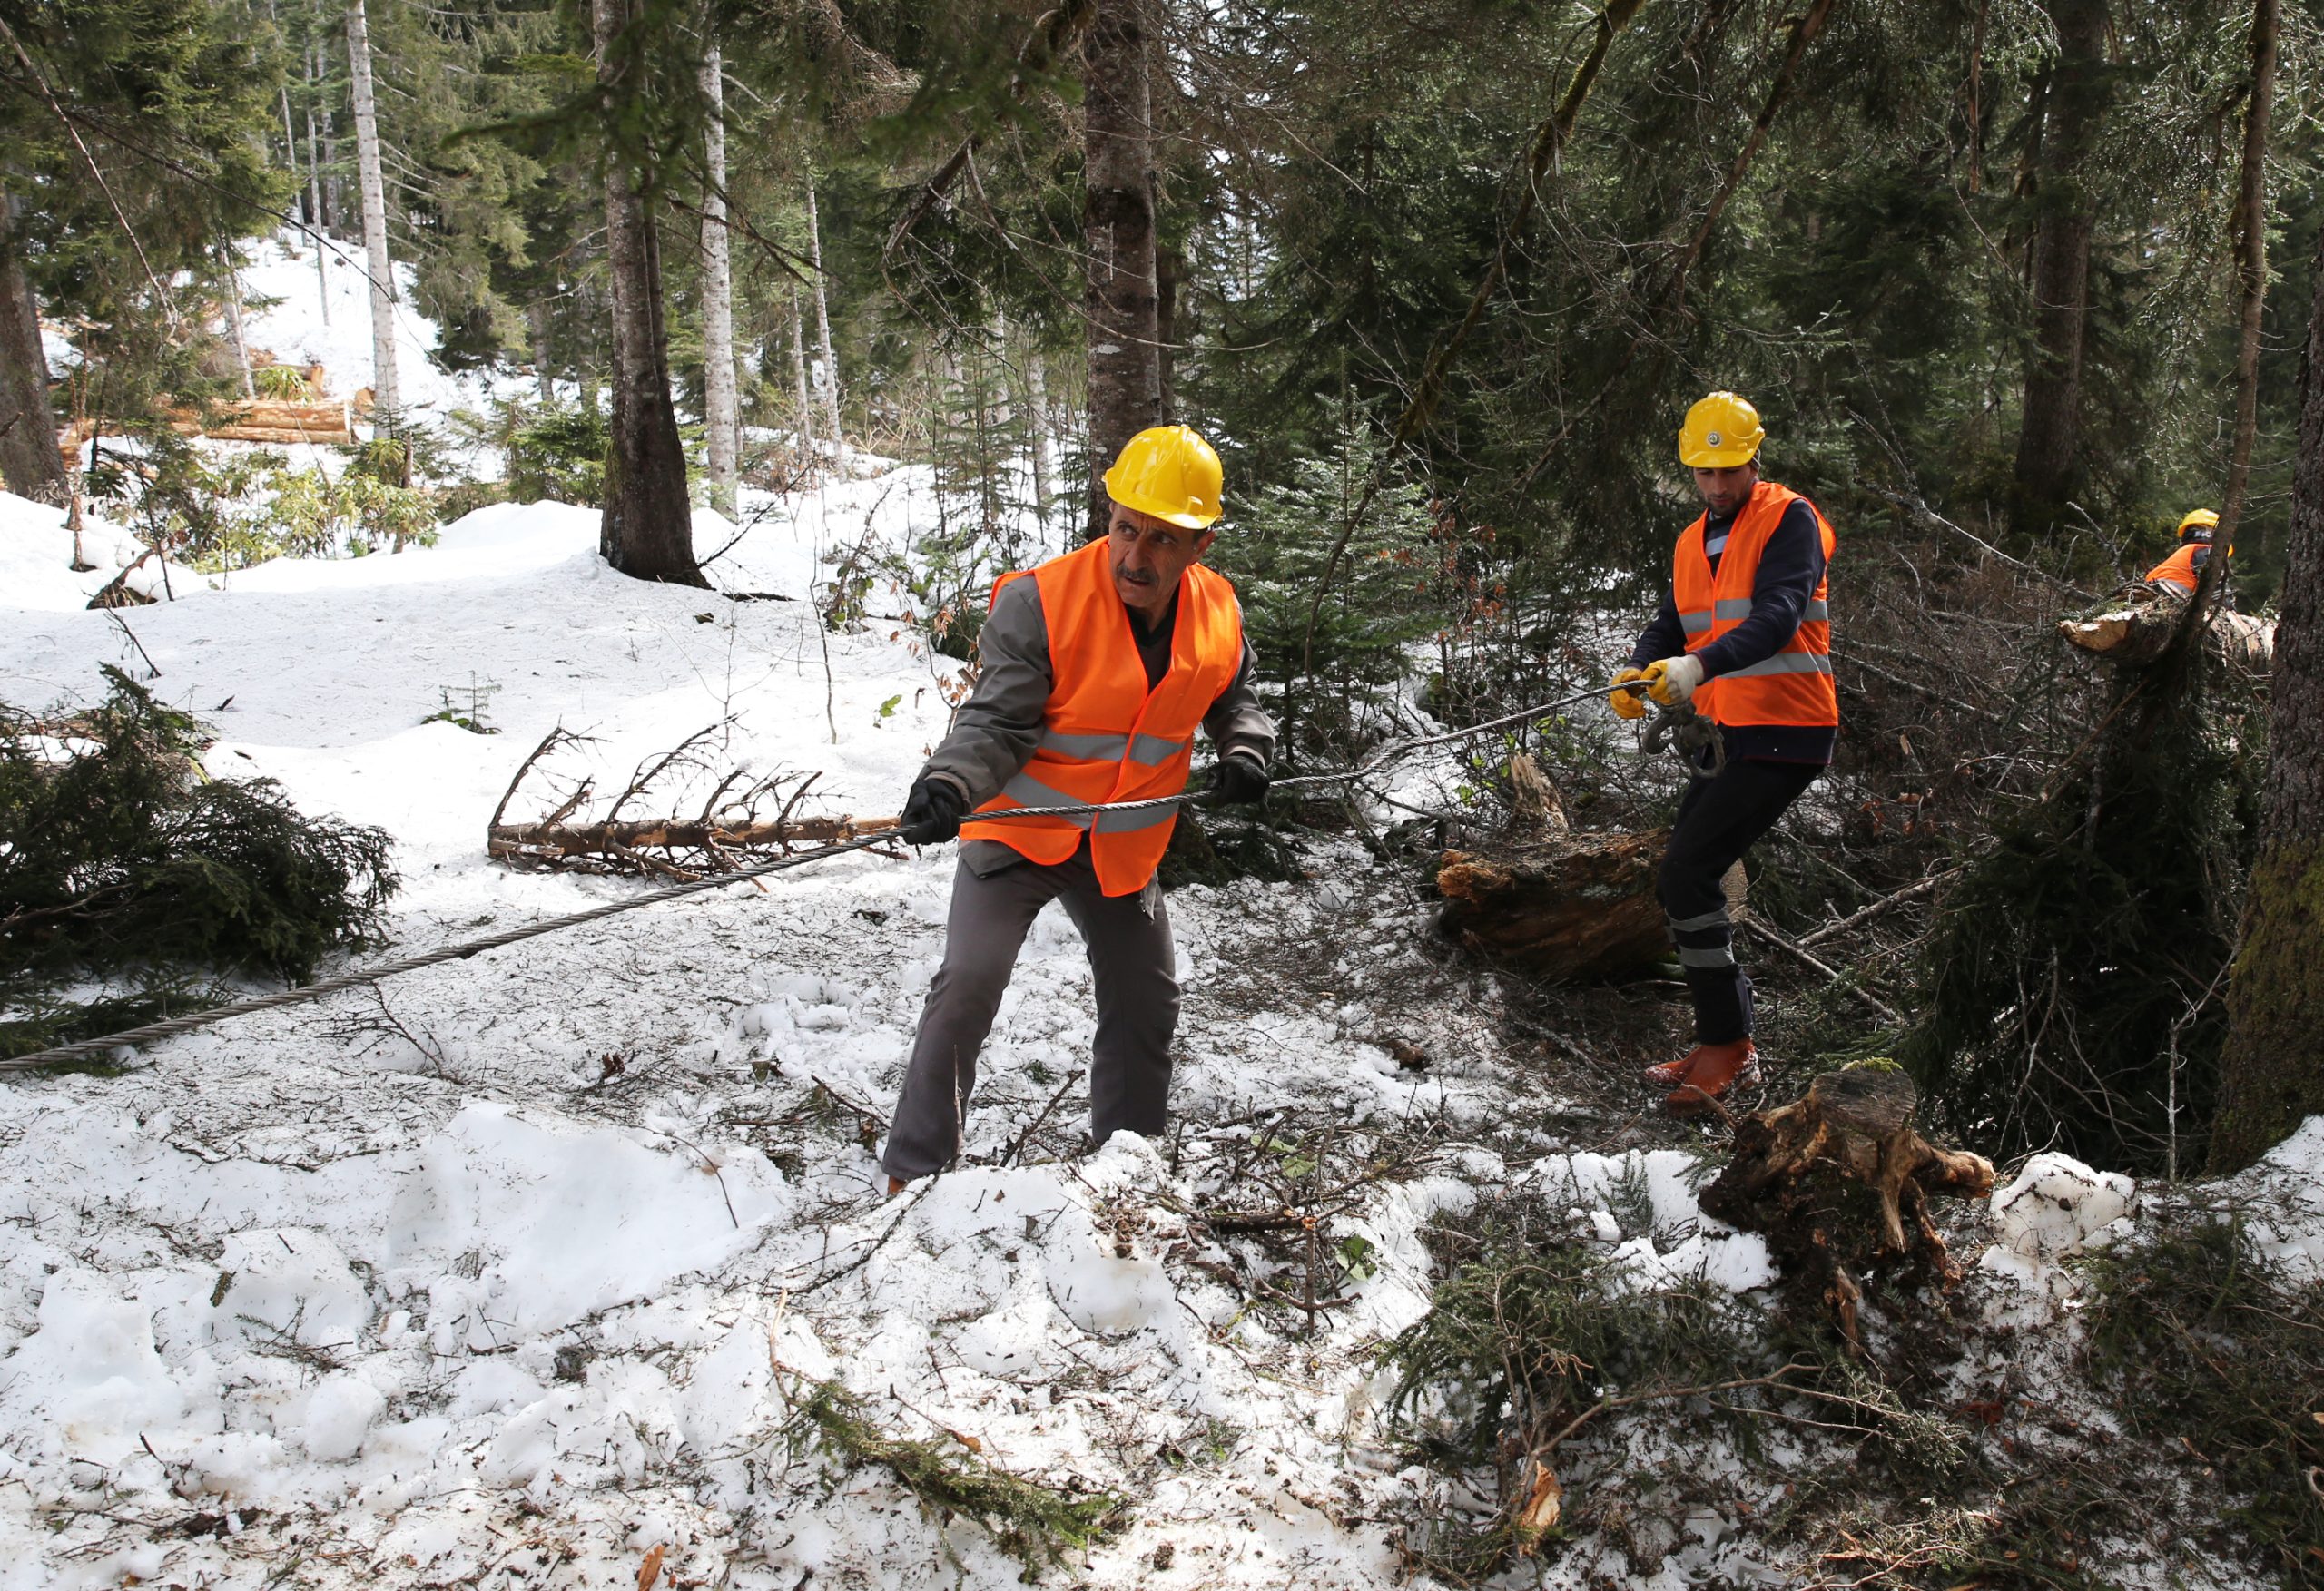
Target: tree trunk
{"type": "Point", "coordinates": [1169, 269]}
{"type": "Point", "coordinates": [648, 530]}
{"type": "Point", "coordinates": [2272, 1072]}
{"type": "Point", "coordinates": [718, 401]}
{"type": "Point", "coordinates": [234, 328]}
{"type": "Point", "coordinates": [2049, 435]}
{"type": "Point", "coordinates": [1037, 421]}
{"type": "Point", "coordinates": [2251, 251]}
{"type": "Point", "coordinates": [806, 448]}
{"type": "Point", "coordinates": [823, 333]}
{"type": "Point", "coordinates": [29, 459]}
{"type": "Point", "coordinates": [387, 400]}
{"type": "Point", "coordinates": [1117, 226]}
{"type": "Point", "coordinates": [543, 373]}
{"type": "Point", "coordinates": [315, 187]}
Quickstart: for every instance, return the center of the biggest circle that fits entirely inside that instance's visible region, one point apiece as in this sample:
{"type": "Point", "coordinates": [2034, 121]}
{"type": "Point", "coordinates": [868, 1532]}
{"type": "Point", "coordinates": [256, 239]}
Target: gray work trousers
{"type": "Point", "coordinates": [1136, 974]}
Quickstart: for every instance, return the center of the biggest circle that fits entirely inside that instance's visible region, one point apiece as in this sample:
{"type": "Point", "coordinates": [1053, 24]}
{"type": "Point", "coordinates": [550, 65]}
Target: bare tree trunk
{"type": "Point", "coordinates": [2049, 434]}
{"type": "Point", "coordinates": [385, 395]}
{"type": "Point", "coordinates": [2252, 222]}
{"type": "Point", "coordinates": [648, 530]}
{"type": "Point", "coordinates": [321, 228]}
{"type": "Point", "coordinates": [1037, 419]}
{"type": "Point", "coordinates": [28, 454]}
{"type": "Point", "coordinates": [544, 374]}
{"type": "Point", "coordinates": [1118, 227]}
{"type": "Point", "coordinates": [234, 328]}
{"type": "Point", "coordinates": [799, 378]}
{"type": "Point", "coordinates": [823, 333]}
{"type": "Point", "coordinates": [718, 400]}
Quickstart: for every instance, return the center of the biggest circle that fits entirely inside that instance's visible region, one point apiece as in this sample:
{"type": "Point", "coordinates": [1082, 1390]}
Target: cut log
{"type": "Point", "coordinates": [1564, 908]}
{"type": "Point", "coordinates": [1838, 1183]}
{"type": "Point", "coordinates": [2137, 623]}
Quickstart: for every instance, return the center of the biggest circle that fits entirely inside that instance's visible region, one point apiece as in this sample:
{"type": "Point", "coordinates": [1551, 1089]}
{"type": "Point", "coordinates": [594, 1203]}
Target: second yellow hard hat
{"type": "Point", "coordinates": [1721, 431]}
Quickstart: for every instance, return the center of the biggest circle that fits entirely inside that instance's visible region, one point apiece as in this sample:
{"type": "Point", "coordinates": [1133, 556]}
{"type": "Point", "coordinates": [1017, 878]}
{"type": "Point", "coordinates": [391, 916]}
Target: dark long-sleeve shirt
{"type": "Point", "coordinates": [994, 731]}
{"type": "Point", "coordinates": [1791, 565]}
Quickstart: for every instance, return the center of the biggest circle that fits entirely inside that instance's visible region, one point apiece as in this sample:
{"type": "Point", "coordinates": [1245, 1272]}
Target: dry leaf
{"type": "Point", "coordinates": [650, 1570]}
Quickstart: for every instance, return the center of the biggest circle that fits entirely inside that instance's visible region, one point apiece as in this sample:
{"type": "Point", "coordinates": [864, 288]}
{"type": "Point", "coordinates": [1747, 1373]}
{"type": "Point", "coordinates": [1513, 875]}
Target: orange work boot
{"type": "Point", "coordinates": [896, 1185]}
{"type": "Point", "coordinates": [1671, 1074]}
{"type": "Point", "coordinates": [1715, 1069]}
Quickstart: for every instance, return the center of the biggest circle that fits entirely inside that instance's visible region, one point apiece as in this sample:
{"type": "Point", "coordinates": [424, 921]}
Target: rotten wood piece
{"type": "Point", "coordinates": [1564, 907]}
{"type": "Point", "coordinates": [1839, 1183]}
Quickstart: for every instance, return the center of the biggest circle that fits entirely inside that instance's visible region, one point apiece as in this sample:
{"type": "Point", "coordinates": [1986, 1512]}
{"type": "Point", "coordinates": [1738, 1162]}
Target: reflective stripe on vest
{"type": "Point", "coordinates": [1105, 736]}
{"type": "Point", "coordinates": [1794, 686]}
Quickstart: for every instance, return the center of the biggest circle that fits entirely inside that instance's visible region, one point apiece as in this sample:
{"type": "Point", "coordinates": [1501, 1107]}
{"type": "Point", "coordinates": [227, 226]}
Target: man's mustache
{"type": "Point", "coordinates": [1134, 576]}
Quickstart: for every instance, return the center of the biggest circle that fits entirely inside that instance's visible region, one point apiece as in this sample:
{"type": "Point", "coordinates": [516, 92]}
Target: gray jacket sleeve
{"type": "Point", "coordinates": [1237, 725]}
{"type": "Point", "coordinates": [994, 731]}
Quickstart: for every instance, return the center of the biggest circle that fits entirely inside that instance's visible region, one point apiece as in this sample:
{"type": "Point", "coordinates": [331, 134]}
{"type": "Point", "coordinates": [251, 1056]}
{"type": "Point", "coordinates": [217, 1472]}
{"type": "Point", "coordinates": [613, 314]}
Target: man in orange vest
{"type": "Point", "coordinates": [1744, 634]}
{"type": "Point", "coordinates": [1097, 668]}
{"type": "Point", "coordinates": [2185, 567]}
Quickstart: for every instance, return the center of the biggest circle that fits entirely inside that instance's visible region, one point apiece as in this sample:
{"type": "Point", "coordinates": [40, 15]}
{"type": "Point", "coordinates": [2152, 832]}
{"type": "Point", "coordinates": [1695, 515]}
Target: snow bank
{"type": "Point", "coordinates": [36, 569]}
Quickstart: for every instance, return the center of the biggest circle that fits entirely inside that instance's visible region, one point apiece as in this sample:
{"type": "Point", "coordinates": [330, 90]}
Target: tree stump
{"type": "Point", "coordinates": [1838, 1183]}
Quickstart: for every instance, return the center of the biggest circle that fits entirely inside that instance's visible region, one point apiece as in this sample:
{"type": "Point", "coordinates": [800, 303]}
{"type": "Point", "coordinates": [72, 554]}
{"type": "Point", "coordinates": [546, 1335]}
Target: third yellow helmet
{"type": "Point", "coordinates": [1721, 432]}
{"type": "Point", "coordinates": [2200, 519]}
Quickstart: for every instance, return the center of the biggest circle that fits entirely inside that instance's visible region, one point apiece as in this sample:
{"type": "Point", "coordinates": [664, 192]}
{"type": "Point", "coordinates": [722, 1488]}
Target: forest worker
{"type": "Point", "coordinates": [1098, 666]}
{"type": "Point", "coordinates": [1744, 635]}
{"type": "Point", "coordinates": [2185, 567]}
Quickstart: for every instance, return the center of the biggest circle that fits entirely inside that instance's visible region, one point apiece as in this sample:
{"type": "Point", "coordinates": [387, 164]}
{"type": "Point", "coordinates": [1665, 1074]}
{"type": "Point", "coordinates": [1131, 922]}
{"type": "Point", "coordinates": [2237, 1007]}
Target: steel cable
{"type": "Point", "coordinates": [169, 1027]}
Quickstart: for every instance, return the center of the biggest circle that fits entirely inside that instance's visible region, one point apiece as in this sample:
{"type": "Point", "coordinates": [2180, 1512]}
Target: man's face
{"type": "Point", "coordinates": [1148, 555]}
{"type": "Point", "coordinates": [1723, 491]}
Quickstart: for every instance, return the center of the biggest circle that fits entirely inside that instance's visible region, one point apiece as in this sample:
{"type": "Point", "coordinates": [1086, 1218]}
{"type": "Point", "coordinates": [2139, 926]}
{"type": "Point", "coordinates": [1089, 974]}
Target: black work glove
{"type": "Point", "coordinates": [1237, 780]}
{"type": "Point", "coordinates": [932, 812]}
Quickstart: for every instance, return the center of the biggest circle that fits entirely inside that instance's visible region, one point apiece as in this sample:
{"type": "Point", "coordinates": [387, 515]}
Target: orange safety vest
{"type": "Point", "coordinates": [1795, 685]}
{"type": "Point", "coordinates": [1105, 737]}
{"type": "Point", "coordinates": [2179, 568]}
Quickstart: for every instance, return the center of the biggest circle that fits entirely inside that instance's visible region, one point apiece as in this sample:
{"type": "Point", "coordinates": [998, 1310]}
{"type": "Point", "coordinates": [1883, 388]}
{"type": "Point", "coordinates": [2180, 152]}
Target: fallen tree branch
{"type": "Point", "coordinates": [1879, 908]}
{"type": "Point", "coordinates": [1784, 942]}
{"type": "Point", "coordinates": [562, 840]}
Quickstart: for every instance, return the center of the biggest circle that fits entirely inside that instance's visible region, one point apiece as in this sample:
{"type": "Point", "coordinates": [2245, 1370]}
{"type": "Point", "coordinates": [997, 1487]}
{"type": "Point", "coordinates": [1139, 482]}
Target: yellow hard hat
{"type": "Point", "coordinates": [1721, 432]}
{"type": "Point", "coordinates": [1171, 473]}
{"type": "Point", "coordinates": [2205, 519]}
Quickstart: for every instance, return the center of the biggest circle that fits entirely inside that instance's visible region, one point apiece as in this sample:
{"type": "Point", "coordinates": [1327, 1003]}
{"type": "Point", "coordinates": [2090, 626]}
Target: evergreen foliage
{"type": "Point", "coordinates": [2072, 992]}
{"type": "Point", "coordinates": [120, 861]}
{"type": "Point", "coordinates": [2198, 1341]}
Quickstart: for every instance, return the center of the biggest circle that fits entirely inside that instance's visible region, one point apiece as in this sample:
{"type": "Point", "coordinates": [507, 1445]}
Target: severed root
{"type": "Point", "coordinates": [1839, 1183]}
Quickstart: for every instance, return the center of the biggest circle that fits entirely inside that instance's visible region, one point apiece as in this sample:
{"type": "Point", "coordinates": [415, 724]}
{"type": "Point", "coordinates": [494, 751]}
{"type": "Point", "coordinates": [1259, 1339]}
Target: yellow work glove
{"type": "Point", "coordinates": [1628, 703]}
{"type": "Point", "coordinates": [1672, 680]}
